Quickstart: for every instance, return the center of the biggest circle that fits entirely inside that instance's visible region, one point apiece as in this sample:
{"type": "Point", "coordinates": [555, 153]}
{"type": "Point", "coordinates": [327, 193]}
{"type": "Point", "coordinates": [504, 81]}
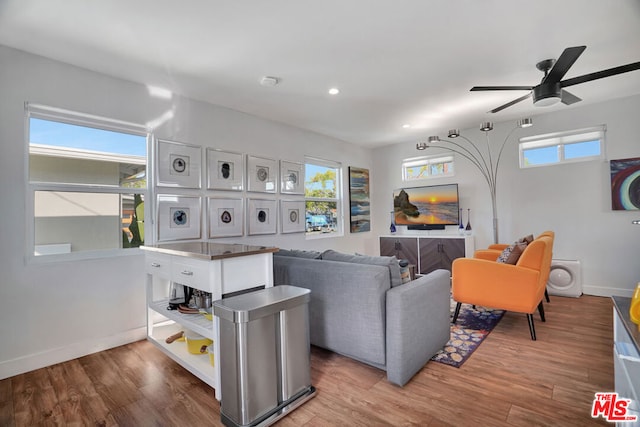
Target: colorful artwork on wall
{"type": "Point", "coordinates": [360, 216]}
{"type": "Point", "coordinates": [625, 184]}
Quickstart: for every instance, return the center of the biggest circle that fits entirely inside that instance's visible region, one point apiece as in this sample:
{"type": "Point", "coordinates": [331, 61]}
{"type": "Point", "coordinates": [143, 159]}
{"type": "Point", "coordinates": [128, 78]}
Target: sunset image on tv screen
{"type": "Point", "coordinates": [426, 205]}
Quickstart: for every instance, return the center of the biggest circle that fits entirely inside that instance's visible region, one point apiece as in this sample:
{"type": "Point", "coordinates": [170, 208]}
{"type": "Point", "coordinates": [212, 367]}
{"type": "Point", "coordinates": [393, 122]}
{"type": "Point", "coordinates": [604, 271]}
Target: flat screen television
{"type": "Point", "coordinates": [427, 208]}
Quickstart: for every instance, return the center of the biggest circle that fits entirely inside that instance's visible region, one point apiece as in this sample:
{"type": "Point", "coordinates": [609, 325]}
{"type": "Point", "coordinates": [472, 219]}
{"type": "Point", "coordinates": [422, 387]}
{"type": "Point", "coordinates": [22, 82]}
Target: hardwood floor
{"type": "Point", "coordinates": [509, 381]}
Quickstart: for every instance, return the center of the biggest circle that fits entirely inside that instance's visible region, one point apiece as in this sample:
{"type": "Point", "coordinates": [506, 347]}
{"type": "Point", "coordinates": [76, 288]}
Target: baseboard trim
{"type": "Point", "coordinates": [50, 357]}
{"type": "Point", "coordinates": [601, 291]}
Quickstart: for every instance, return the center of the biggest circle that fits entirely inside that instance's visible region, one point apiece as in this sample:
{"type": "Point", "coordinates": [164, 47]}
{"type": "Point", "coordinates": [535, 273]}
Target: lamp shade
{"type": "Point", "coordinates": [486, 126]}
{"type": "Point", "coordinates": [525, 123]}
{"type": "Point", "coordinates": [421, 146]}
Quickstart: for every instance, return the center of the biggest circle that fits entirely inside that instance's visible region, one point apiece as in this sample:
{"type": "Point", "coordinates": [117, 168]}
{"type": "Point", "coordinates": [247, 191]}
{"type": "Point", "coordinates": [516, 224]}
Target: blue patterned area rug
{"type": "Point", "coordinates": [471, 328]}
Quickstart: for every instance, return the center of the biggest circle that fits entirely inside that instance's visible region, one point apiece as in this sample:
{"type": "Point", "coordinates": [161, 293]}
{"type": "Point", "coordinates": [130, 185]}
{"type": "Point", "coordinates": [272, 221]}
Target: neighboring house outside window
{"type": "Point", "coordinates": [86, 184]}
{"type": "Point", "coordinates": [323, 198]}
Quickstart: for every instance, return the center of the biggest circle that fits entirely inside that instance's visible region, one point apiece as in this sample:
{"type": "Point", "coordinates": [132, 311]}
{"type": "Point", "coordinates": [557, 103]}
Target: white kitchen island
{"type": "Point", "coordinates": [221, 269]}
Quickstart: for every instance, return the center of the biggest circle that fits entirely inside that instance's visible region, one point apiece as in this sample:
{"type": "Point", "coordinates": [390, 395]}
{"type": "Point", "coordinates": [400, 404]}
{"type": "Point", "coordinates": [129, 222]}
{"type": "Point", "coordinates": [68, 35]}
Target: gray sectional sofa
{"type": "Point", "coordinates": [361, 309]}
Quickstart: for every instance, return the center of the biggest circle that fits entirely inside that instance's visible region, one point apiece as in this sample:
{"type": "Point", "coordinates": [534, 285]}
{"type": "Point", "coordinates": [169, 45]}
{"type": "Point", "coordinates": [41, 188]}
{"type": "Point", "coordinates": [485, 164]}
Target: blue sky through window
{"type": "Point", "coordinates": [59, 134]}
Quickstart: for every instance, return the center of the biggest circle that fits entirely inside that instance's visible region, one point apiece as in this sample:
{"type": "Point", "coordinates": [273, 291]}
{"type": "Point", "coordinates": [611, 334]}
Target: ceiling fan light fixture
{"type": "Point", "coordinates": [433, 139]}
{"type": "Point", "coordinates": [486, 126]}
{"type": "Point", "coordinates": [454, 133]}
{"type": "Point", "coordinates": [421, 146]}
{"type": "Point", "coordinates": [546, 95]}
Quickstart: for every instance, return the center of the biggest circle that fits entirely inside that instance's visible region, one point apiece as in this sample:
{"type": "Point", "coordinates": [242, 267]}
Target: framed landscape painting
{"type": "Point", "coordinates": [360, 215]}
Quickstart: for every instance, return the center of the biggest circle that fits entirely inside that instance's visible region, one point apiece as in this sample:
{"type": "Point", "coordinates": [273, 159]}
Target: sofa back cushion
{"type": "Point", "coordinates": [347, 311]}
{"type": "Point", "coordinates": [297, 253]}
{"type": "Point", "coordinates": [391, 262]}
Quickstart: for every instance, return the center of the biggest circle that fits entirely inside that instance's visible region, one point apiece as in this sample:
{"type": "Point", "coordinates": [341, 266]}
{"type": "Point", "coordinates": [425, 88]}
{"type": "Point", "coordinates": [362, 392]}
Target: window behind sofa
{"type": "Point", "coordinates": [323, 197]}
{"type": "Point", "coordinates": [87, 181]}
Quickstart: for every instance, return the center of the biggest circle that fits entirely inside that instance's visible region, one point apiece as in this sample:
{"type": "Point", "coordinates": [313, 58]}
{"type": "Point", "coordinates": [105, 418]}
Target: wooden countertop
{"type": "Point", "coordinates": [208, 251]}
{"type": "Point", "coordinates": [622, 305]}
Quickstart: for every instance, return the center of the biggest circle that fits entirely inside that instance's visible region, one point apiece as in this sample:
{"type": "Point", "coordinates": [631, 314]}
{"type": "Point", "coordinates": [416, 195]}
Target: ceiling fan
{"type": "Point", "coordinates": [551, 89]}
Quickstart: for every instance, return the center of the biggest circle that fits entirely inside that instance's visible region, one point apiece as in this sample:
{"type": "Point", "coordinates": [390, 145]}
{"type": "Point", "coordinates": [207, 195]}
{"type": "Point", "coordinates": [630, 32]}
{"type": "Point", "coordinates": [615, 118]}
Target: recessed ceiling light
{"type": "Point", "coordinates": [269, 81]}
{"type": "Point", "coordinates": [334, 91]}
{"type": "Point", "coordinates": [406, 126]}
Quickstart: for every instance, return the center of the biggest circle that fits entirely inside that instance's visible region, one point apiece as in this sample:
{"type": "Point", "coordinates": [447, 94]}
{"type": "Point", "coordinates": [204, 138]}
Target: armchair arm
{"type": "Point", "coordinates": [498, 246]}
{"type": "Point", "coordinates": [488, 254]}
{"type": "Point", "coordinates": [497, 285]}
{"type": "Point", "coordinates": [417, 324]}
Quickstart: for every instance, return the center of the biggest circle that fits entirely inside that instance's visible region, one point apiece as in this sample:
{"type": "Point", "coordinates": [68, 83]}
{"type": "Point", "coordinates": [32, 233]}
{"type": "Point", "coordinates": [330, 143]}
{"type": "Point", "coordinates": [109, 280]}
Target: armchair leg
{"type": "Point", "coordinates": [541, 311]}
{"type": "Point", "coordinates": [456, 313]}
{"type": "Point", "coordinates": [532, 329]}
{"type": "Point", "coordinates": [546, 295]}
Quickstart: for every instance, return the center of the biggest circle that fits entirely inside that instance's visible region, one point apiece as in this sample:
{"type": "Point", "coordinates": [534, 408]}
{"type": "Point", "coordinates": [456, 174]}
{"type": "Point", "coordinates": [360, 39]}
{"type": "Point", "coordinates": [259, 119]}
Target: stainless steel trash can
{"type": "Point", "coordinates": [264, 354]}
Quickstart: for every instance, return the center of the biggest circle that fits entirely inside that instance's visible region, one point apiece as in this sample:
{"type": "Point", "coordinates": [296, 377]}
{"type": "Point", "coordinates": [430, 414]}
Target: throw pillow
{"type": "Point", "coordinates": [526, 239]}
{"type": "Point", "coordinates": [298, 253]}
{"type": "Point", "coordinates": [512, 253]}
{"type": "Point", "coordinates": [390, 262]}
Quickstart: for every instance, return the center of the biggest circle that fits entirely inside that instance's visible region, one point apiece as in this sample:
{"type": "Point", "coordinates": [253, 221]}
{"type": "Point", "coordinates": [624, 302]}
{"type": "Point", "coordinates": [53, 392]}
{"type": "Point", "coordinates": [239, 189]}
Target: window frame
{"type": "Point", "coordinates": [340, 218]}
{"type": "Point", "coordinates": [60, 115]}
{"type": "Point", "coordinates": [428, 161]}
{"type": "Point", "coordinates": [560, 140]}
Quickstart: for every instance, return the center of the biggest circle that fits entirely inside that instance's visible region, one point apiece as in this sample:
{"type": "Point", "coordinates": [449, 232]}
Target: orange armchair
{"type": "Point", "coordinates": [493, 252]}
{"type": "Point", "coordinates": [518, 287]}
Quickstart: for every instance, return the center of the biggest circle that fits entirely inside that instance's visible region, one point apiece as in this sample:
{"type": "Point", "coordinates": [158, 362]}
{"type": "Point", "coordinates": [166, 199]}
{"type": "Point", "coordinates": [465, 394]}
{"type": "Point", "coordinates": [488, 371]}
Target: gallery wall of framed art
{"type": "Point", "coordinates": [210, 193]}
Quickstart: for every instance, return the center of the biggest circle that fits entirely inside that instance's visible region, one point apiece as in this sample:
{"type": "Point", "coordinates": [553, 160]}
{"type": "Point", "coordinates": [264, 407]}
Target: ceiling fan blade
{"type": "Point", "coordinates": [562, 65]}
{"type": "Point", "coordinates": [601, 74]}
{"type": "Point", "coordinates": [479, 88]}
{"type": "Point", "coordinates": [509, 104]}
{"type": "Point", "coordinates": [569, 98]}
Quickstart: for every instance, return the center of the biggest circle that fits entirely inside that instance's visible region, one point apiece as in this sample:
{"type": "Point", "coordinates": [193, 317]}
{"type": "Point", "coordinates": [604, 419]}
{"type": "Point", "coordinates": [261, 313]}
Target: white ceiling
{"type": "Point", "coordinates": [395, 62]}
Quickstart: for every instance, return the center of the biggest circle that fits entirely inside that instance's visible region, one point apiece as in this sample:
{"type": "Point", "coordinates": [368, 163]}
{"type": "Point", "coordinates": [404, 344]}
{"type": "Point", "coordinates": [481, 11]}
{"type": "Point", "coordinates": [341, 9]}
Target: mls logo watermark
{"type": "Point", "coordinates": [612, 408]}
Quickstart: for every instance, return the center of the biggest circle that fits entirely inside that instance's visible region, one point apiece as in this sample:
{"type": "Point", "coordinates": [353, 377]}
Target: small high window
{"type": "Point", "coordinates": [427, 167]}
{"type": "Point", "coordinates": [562, 147]}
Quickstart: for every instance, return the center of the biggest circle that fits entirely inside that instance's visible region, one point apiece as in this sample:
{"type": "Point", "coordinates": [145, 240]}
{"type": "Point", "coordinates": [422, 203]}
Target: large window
{"type": "Point", "coordinates": [86, 183]}
{"type": "Point", "coordinates": [427, 167]}
{"type": "Point", "coordinates": [322, 197]}
{"type": "Point", "coordinates": [562, 147]}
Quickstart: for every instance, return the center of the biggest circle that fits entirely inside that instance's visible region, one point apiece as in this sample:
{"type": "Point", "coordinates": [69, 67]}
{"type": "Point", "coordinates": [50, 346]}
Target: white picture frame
{"type": "Point", "coordinates": [179, 164]}
{"type": "Point", "coordinates": [262, 174]}
{"type": "Point", "coordinates": [292, 216]}
{"type": "Point", "coordinates": [291, 177]}
{"type": "Point", "coordinates": [262, 216]}
{"type": "Point", "coordinates": [225, 217]}
{"type": "Point", "coordinates": [179, 217]}
{"type": "Point", "coordinates": [225, 170]}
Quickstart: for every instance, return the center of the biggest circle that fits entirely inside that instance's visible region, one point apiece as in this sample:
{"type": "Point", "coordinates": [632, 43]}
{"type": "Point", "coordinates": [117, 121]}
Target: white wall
{"type": "Point", "coordinates": [574, 200]}
{"type": "Point", "coordinates": [56, 311]}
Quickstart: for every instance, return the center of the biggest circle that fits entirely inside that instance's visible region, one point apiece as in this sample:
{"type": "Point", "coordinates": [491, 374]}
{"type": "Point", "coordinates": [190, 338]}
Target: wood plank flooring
{"type": "Point", "coordinates": [509, 381]}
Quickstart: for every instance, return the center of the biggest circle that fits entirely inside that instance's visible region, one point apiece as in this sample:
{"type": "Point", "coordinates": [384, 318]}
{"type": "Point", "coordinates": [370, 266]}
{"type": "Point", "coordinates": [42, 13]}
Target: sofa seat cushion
{"type": "Point", "coordinates": [391, 262]}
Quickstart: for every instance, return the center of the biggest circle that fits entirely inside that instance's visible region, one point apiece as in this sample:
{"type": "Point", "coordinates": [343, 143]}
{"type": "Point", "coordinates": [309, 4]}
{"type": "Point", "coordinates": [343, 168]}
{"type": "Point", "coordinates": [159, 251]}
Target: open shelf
{"type": "Point", "coordinates": [195, 322]}
{"type": "Point", "coordinates": [198, 364]}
